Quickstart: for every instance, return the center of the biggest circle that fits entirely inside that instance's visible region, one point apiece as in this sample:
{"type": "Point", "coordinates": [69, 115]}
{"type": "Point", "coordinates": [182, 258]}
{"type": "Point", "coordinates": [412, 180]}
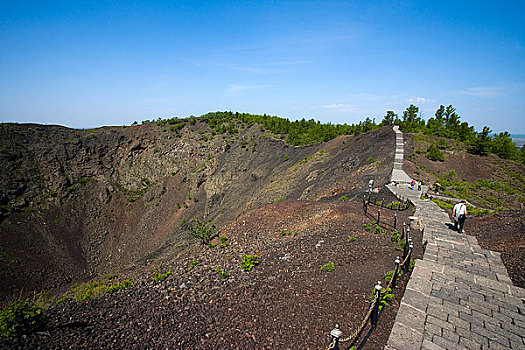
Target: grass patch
{"type": "Point", "coordinates": [20, 317]}
{"type": "Point", "coordinates": [94, 289]}
{"type": "Point", "coordinates": [249, 262]}
{"type": "Point", "coordinates": [329, 267]}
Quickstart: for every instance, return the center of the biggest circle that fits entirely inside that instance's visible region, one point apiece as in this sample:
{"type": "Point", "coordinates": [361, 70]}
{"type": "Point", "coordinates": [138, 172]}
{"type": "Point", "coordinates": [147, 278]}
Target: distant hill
{"type": "Point", "coordinates": [519, 139]}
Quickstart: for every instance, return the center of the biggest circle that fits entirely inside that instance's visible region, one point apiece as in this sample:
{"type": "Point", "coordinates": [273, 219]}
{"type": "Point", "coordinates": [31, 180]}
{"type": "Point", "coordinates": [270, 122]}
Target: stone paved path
{"type": "Point", "coordinates": [459, 295]}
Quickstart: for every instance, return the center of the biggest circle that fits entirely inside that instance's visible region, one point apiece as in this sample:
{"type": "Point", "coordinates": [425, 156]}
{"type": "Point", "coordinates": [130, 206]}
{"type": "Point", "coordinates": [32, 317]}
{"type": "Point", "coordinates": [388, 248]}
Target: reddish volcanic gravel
{"type": "Point", "coordinates": [285, 302]}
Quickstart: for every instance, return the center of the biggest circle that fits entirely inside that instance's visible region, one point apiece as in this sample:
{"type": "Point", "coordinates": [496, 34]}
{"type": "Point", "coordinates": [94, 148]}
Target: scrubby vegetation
{"type": "Point", "coordinates": [95, 288]}
{"type": "Point", "coordinates": [329, 267]}
{"type": "Point", "coordinates": [446, 123]}
{"type": "Point", "coordinates": [249, 262]}
{"type": "Point", "coordinates": [20, 317]}
{"type": "Point", "coordinates": [203, 231]}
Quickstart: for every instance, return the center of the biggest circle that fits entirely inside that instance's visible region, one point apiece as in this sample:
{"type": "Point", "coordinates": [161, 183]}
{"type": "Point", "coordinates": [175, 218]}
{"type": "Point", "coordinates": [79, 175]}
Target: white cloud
{"type": "Point", "coordinates": [421, 100]}
{"type": "Point", "coordinates": [236, 89]}
{"type": "Point", "coordinates": [483, 91]}
{"type": "Point", "coordinates": [339, 107]}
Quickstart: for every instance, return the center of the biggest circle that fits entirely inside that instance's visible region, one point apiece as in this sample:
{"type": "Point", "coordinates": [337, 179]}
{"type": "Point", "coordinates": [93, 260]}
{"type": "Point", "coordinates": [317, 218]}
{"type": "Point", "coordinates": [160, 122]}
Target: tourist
{"type": "Point", "coordinates": [460, 214]}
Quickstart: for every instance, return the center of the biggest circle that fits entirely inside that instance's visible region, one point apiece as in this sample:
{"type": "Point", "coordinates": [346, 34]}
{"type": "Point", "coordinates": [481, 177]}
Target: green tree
{"type": "Point", "coordinates": [434, 154]}
{"type": "Point", "coordinates": [503, 146]}
{"type": "Point", "coordinates": [411, 120]}
{"type": "Point", "coordinates": [435, 125]}
{"type": "Point", "coordinates": [389, 118]}
{"type": "Point", "coordinates": [482, 142]}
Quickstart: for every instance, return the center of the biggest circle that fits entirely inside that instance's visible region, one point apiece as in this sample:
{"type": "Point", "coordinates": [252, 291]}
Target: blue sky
{"type": "Point", "coordinates": [94, 63]}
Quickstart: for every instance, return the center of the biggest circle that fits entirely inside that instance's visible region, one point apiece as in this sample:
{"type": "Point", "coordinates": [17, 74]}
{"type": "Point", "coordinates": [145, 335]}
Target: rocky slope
{"type": "Point", "coordinates": [77, 203]}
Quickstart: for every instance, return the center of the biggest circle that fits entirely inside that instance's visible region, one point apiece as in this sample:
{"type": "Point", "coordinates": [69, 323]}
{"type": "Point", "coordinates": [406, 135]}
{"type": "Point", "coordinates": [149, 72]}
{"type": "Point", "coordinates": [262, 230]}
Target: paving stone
{"type": "Point", "coordinates": [463, 308]}
{"type": "Point", "coordinates": [471, 319]}
{"type": "Point", "coordinates": [496, 329]}
{"type": "Point", "coordinates": [421, 272]}
{"type": "Point", "coordinates": [497, 346]}
{"type": "Point", "coordinates": [458, 322]}
{"type": "Point", "coordinates": [416, 299]}
{"type": "Point", "coordinates": [411, 317]}
{"type": "Point", "coordinates": [469, 344]}
{"type": "Point", "coordinates": [515, 316]}
{"type": "Point", "coordinates": [428, 345]}
{"type": "Point", "coordinates": [477, 308]}
{"type": "Point", "coordinates": [491, 336]}
{"type": "Point", "coordinates": [467, 334]}
{"type": "Point", "coordinates": [433, 329]}
{"type": "Point", "coordinates": [468, 297]}
{"type": "Point", "coordinates": [440, 323]}
{"type": "Point", "coordinates": [513, 328]}
{"type": "Point", "coordinates": [445, 343]}
{"type": "Point", "coordinates": [420, 285]}
{"type": "Point", "coordinates": [405, 338]}
{"type": "Point", "coordinates": [503, 318]}
{"type": "Point", "coordinates": [440, 311]}
{"type": "Point", "coordinates": [449, 335]}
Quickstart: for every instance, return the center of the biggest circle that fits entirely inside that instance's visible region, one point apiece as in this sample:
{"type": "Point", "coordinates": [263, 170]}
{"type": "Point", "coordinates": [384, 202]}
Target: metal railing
{"type": "Point", "coordinates": [373, 313]}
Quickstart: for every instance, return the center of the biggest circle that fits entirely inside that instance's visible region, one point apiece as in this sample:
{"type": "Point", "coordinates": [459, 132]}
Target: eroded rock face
{"type": "Point", "coordinates": [82, 202]}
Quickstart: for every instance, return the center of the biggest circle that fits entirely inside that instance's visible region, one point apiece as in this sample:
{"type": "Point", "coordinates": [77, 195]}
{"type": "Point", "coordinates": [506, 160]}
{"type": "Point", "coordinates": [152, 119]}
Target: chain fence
{"type": "Point", "coordinates": [402, 266]}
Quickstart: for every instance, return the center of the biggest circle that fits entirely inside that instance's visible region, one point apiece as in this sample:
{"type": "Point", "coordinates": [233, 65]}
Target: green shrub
{"type": "Point", "coordinates": [223, 242]}
{"type": "Point", "coordinates": [385, 296]}
{"type": "Point", "coordinates": [249, 262]}
{"type": "Point", "coordinates": [396, 238]}
{"type": "Point", "coordinates": [343, 199]}
{"type": "Point", "coordinates": [124, 284]}
{"type": "Point", "coordinates": [370, 160]}
{"type": "Point", "coordinates": [158, 276]}
{"type": "Point", "coordinates": [194, 263]}
{"type": "Point", "coordinates": [412, 264]}
{"type": "Point", "coordinates": [352, 238]}
{"type": "Point", "coordinates": [442, 144]}
{"type": "Point", "coordinates": [390, 274]}
{"type": "Point", "coordinates": [222, 273]}
{"type": "Point", "coordinates": [434, 154]}
{"type": "Point", "coordinates": [330, 267]}
{"type": "Point", "coordinates": [204, 231]}
{"type": "Point", "coordinates": [21, 318]}
{"type": "Point", "coordinates": [378, 229]}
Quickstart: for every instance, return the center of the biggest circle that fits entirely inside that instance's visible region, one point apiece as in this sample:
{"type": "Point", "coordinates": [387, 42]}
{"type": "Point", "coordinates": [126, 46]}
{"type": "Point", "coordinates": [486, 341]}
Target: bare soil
{"type": "Point", "coordinates": [285, 302]}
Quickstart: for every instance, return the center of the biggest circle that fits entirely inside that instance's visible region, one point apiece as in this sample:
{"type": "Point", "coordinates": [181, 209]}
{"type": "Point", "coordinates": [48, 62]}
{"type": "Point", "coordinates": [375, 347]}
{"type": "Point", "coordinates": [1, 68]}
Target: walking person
{"type": "Point", "coordinates": [460, 214]}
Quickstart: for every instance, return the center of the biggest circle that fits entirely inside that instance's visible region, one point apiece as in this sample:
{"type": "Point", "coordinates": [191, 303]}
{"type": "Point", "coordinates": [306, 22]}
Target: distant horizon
{"type": "Point", "coordinates": [517, 135]}
{"type": "Point", "coordinates": [85, 64]}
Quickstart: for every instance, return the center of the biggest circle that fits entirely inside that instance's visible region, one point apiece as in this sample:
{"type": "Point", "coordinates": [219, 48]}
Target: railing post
{"type": "Point", "coordinates": [375, 311]}
{"type": "Point", "coordinates": [403, 231]}
{"type": "Point", "coordinates": [405, 252]}
{"type": "Point", "coordinates": [396, 269]}
{"type": "Point", "coordinates": [336, 334]}
{"type": "Point", "coordinates": [407, 237]}
{"type": "Point", "coordinates": [378, 215]}
{"type": "Point", "coordinates": [395, 221]}
{"type": "Point", "coordinates": [407, 262]}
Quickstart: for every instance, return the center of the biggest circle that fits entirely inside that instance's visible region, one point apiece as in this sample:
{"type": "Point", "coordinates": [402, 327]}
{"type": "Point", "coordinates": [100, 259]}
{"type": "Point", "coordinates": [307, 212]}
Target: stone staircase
{"type": "Point", "coordinates": [459, 295]}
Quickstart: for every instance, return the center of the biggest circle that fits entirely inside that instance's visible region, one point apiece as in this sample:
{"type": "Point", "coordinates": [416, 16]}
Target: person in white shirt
{"type": "Point", "coordinates": [460, 214]}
